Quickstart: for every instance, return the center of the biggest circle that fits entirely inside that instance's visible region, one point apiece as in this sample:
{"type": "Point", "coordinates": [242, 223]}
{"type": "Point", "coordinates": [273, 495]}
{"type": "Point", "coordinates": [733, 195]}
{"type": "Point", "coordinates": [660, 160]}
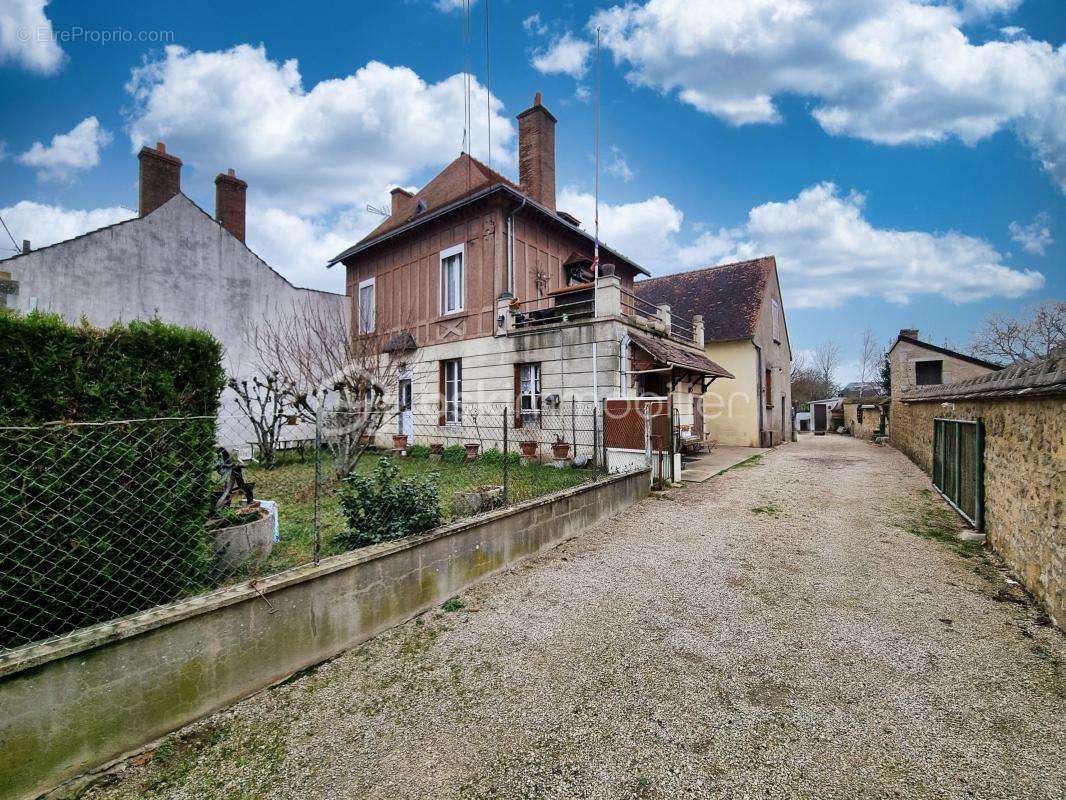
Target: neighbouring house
{"type": "Point", "coordinates": [173, 261]}
{"type": "Point", "coordinates": [746, 332]}
{"type": "Point", "coordinates": [913, 363]}
{"type": "Point", "coordinates": [827, 415]}
{"type": "Point", "coordinates": [862, 389]}
{"type": "Point", "coordinates": [484, 292]}
{"type": "Point", "coordinates": [995, 446]}
{"type": "Point", "coordinates": [867, 416]}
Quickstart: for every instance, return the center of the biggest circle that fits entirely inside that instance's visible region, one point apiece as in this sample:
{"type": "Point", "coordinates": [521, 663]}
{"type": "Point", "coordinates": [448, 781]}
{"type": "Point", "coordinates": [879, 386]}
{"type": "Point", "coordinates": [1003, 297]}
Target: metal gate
{"type": "Point", "coordinates": [958, 466]}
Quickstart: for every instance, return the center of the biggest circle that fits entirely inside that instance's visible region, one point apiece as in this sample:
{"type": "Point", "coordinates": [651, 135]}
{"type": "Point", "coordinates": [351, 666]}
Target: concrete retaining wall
{"type": "Point", "coordinates": [1025, 483]}
{"type": "Point", "coordinates": [70, 707]}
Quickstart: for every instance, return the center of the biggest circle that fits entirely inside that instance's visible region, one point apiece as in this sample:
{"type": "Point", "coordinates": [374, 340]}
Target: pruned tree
{"type": "Point", "coordinates": [868, 360]}
{"type": "Point", "coordinates": [826, 363]}
{"type": "Point", "coordinates": [1031, 336]}
{"type": "Point", "coordinates": [344, 382]}
{"type": "Point", "coordinates": [804, 380]}
{"type": "Point", "coordinates": [262, 401]}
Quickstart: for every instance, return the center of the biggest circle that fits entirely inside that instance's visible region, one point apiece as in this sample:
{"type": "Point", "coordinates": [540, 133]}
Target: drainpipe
{"type": "Point", "coordinates": [758, 387]}
{"type": "Point", "coordinates": [510, 248]}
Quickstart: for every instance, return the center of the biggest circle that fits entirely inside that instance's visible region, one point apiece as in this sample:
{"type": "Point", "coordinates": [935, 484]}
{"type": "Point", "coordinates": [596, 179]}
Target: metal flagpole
{"type": "Point", "coordinates": [596, 245]}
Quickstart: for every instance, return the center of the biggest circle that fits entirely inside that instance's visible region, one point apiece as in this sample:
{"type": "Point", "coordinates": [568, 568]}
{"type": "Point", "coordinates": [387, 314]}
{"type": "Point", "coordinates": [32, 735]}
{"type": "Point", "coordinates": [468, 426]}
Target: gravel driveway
{"type": "Point", "coordinates": [799, 627]}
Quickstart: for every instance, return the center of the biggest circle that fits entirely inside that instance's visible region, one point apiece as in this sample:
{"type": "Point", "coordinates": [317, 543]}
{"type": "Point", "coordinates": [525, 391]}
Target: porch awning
{"type": "Point", "coordinates": [672, 355]}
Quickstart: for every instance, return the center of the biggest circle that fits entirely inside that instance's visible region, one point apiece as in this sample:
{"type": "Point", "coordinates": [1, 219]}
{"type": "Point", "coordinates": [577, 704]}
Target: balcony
{"type": "Point", "coordinates": [575, 304]}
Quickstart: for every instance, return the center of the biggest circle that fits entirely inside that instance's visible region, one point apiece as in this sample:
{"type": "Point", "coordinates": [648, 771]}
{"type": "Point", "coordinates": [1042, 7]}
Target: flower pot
{"type": "Point", "coordinates": [529, 449]}
{"type": "Point", "coordinates": [471, 450]}
{"type": "Point", "coordinates": [560, 451]}
{"type": "Point", "coordinates": [399, 442]}
{"type": "Point", "coordinates": [239, 546]}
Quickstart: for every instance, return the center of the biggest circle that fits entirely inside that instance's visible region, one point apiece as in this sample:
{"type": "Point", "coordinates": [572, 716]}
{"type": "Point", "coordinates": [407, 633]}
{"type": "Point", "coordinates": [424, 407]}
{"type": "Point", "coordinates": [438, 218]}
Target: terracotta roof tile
{"type": "Point", "coordinates": [728, 296]}
{"type": "Point", "coordinates": [666, 352]}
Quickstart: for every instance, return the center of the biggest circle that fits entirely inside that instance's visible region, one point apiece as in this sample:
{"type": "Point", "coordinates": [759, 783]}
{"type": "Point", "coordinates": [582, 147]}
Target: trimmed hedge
{"type": "Point", "coordinates": [99, 521]}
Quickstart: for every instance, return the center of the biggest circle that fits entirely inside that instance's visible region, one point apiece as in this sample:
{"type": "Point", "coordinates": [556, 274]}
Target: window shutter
{"type": "Point", "coordinates": [440, 419]}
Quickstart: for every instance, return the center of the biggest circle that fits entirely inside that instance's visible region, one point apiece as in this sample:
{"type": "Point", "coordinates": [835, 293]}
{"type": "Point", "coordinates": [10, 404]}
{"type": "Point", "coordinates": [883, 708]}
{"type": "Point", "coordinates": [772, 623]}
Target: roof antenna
{"type": "Point", "coordinates": [488, 84]}
{"type": "Point", "coordinates": [377, 210]}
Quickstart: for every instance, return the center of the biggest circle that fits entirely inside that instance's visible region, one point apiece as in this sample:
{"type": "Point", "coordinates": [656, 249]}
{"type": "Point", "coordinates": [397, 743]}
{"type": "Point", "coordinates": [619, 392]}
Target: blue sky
{"type": "Point", "coordinates": [905, 161]}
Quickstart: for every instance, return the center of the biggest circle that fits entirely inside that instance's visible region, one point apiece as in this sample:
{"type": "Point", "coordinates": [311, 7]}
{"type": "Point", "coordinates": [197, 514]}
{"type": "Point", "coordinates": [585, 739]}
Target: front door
{"type": "Point", "coordinates": [407, 423]}
{"type": "Point", "coordinates": [819, 417]}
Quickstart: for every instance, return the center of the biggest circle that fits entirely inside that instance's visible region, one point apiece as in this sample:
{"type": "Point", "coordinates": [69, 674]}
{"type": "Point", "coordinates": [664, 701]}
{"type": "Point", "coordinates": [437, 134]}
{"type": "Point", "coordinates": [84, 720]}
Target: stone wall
{"type": "Point", "coordinates": [1025, 482]}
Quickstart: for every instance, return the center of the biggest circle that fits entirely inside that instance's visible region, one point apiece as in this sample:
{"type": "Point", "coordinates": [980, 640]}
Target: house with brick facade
{"type": "Point", "coordinates": [485, 293]}
{"type": "Point", "coordinates": [746, 332]}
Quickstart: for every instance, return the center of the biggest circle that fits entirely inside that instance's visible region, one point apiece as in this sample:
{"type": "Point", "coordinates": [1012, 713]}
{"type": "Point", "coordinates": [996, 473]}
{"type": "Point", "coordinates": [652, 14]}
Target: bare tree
{"type": "Point", "coordinates": [804, 380]}
{"type": "Point", "coordinates": [869, 360]}
{"type": "Point", "coordinates": [331, 377]}
{"type": "Point", "coordinates": [263, 403]}
{"type": "Point", "coordinates": [826, 363]}
{"type": "Point", "coordinates": [1029, 337]}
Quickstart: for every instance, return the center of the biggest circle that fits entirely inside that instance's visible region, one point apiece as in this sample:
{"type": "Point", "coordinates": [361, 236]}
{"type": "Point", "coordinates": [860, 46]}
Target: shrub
{"type": "Point", "coordinates": [104, 520]}
{"type": "Point", "coordinates": [456, 454]}
{"type": "Point", "coordinates": [418, 451]}
{"type": "Point", "coordinates": [494, 457]}
{"type": "Point", "coordinates": [382, 507]}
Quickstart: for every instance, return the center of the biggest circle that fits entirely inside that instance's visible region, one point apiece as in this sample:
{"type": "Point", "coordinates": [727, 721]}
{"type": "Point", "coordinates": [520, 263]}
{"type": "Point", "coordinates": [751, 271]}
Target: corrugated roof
{"type": "Point", "coordinates": [1031, 379]}
{"type": "Point", "coordinates": [729, 297]}
{"type": "Point", "coordinates": [666, 352]}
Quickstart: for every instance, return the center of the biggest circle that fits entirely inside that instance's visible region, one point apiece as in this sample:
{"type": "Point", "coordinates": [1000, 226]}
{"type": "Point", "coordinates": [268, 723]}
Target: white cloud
{"type": "Point", "coordinates": [338, 144]}
{"type": "Point", "coordinates": [1035, 237]}
{"type": "Point", "coordinates": [69, 153]}
{"type": "Point", "coordinates": [47, 224]}
{"type": "Point", "coordinates": [448, 6]}
{"type": "Point", "coordinates": [827, 252]}
{"type": "Point", "coordinates": [26, 37]}
{"type": "Point", "coordinates": [566, 55]}
{"type": "Point", "coordinates": [618, 166]}
{"type": "Point", "coordinates": [532, 24]}
{"type": "Point", "coordinates": [644, 230]}
{"type": "Point", "coordinates": [973, 10]}
{"type": "Point", "coordinates": [889, 71]}
{"type": "Point", "coordinates": [299, 247]}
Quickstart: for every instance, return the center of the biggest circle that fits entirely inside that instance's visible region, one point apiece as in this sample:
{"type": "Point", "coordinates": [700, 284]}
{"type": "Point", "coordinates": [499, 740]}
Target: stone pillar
{"type": "Point", "coordinates": [609, 297]}
{"type": "Point", "coordinates": [504, 314]}
{"type": "Point", "coordinates": [697, 331]}
{"type": "Point", "coordinates": [663, 310]}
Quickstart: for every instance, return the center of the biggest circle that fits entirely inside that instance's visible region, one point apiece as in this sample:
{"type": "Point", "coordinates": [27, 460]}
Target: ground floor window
{"type": "Point", "coordinates": [451, 392]}
{"type": "Point", "coordinates": [527, 394]}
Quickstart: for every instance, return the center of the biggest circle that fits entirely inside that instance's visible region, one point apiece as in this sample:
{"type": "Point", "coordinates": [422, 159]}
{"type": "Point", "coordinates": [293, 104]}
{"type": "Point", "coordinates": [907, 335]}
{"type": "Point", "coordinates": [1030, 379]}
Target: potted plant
{"type": "Point", "coordinates": [560, 449]}
{"type": "Point", "coordinates": [471, 450]}
{"type": "Point", "coordinates": [399, 441]}
{"type": "Point", "coordinates": [529, 448]}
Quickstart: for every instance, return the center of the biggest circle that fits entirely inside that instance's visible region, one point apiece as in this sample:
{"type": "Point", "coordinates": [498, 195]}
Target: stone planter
{"type": "Point", "coordinates": [240, 545]}
{"type": "Point", "coordinates": [471, 450]}
{"type": "Point", "coordinates": [529, 449]}
{"type": "Point", "coordinates": [560, 451]}
{"type": "Point", "coordinates": [399, 442]}
{"type": "Point", "coordinates": [484, 498]}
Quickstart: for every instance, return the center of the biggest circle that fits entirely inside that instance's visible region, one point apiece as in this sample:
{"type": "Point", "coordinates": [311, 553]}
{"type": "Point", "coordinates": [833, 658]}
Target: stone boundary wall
{"type": "Point", "coordinates": [71, 707]}
{"type": "Point", "coordinates": [1025, 481]}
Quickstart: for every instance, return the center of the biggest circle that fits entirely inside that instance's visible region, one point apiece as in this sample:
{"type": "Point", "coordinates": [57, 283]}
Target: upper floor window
{"type": "Point", "coordinates": [366, 306]}
{"type": "Point", "coordinates": [929, 373]}
{"type": "Point", "coordinates": [775, 308]}
{"type": "Point", "coordinates": [451, 280]}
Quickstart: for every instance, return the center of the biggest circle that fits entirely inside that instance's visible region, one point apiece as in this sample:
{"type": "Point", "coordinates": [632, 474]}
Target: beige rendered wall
{"type": "Point", "coordinates": [731, 407]}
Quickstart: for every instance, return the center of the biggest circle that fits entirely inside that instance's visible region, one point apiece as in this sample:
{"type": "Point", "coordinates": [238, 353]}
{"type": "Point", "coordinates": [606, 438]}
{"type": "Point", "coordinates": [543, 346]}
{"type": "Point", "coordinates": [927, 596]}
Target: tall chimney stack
{"type": "Point", "coordinates": [230, 194]}
{"type": "Point", "coordinates": [160, 177]}
{"type": "Point", "coordinates": [401, 200]}
{"type": "Point", "coordinates": [536, 153]}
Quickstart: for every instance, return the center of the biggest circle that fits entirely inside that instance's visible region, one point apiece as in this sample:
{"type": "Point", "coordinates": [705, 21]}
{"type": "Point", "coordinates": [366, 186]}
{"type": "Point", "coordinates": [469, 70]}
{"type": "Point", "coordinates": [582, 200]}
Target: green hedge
{"type": "Point", "coordinates": [98, 521]}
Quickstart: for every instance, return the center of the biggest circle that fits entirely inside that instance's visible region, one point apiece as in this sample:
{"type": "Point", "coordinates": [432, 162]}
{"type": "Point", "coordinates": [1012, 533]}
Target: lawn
{"type": "Point", "coordinates": [292, 485]}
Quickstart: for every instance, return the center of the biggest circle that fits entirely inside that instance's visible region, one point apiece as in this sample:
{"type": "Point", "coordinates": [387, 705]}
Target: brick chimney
{"type": "Point", "coordinates": [536, 153]}
{"type": "Point", "coordinates": [230, 192]}
{"type": "Point", "coordinates": [160, 177]}
{"type": "Point", "coordinates": [401, 200]}
{"type": "Point", "coordinates": [910, 333]}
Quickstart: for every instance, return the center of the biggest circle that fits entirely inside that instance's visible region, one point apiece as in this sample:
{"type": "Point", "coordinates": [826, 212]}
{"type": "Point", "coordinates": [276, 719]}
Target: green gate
{"type": "Point", "coordinates": [958, 466]}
